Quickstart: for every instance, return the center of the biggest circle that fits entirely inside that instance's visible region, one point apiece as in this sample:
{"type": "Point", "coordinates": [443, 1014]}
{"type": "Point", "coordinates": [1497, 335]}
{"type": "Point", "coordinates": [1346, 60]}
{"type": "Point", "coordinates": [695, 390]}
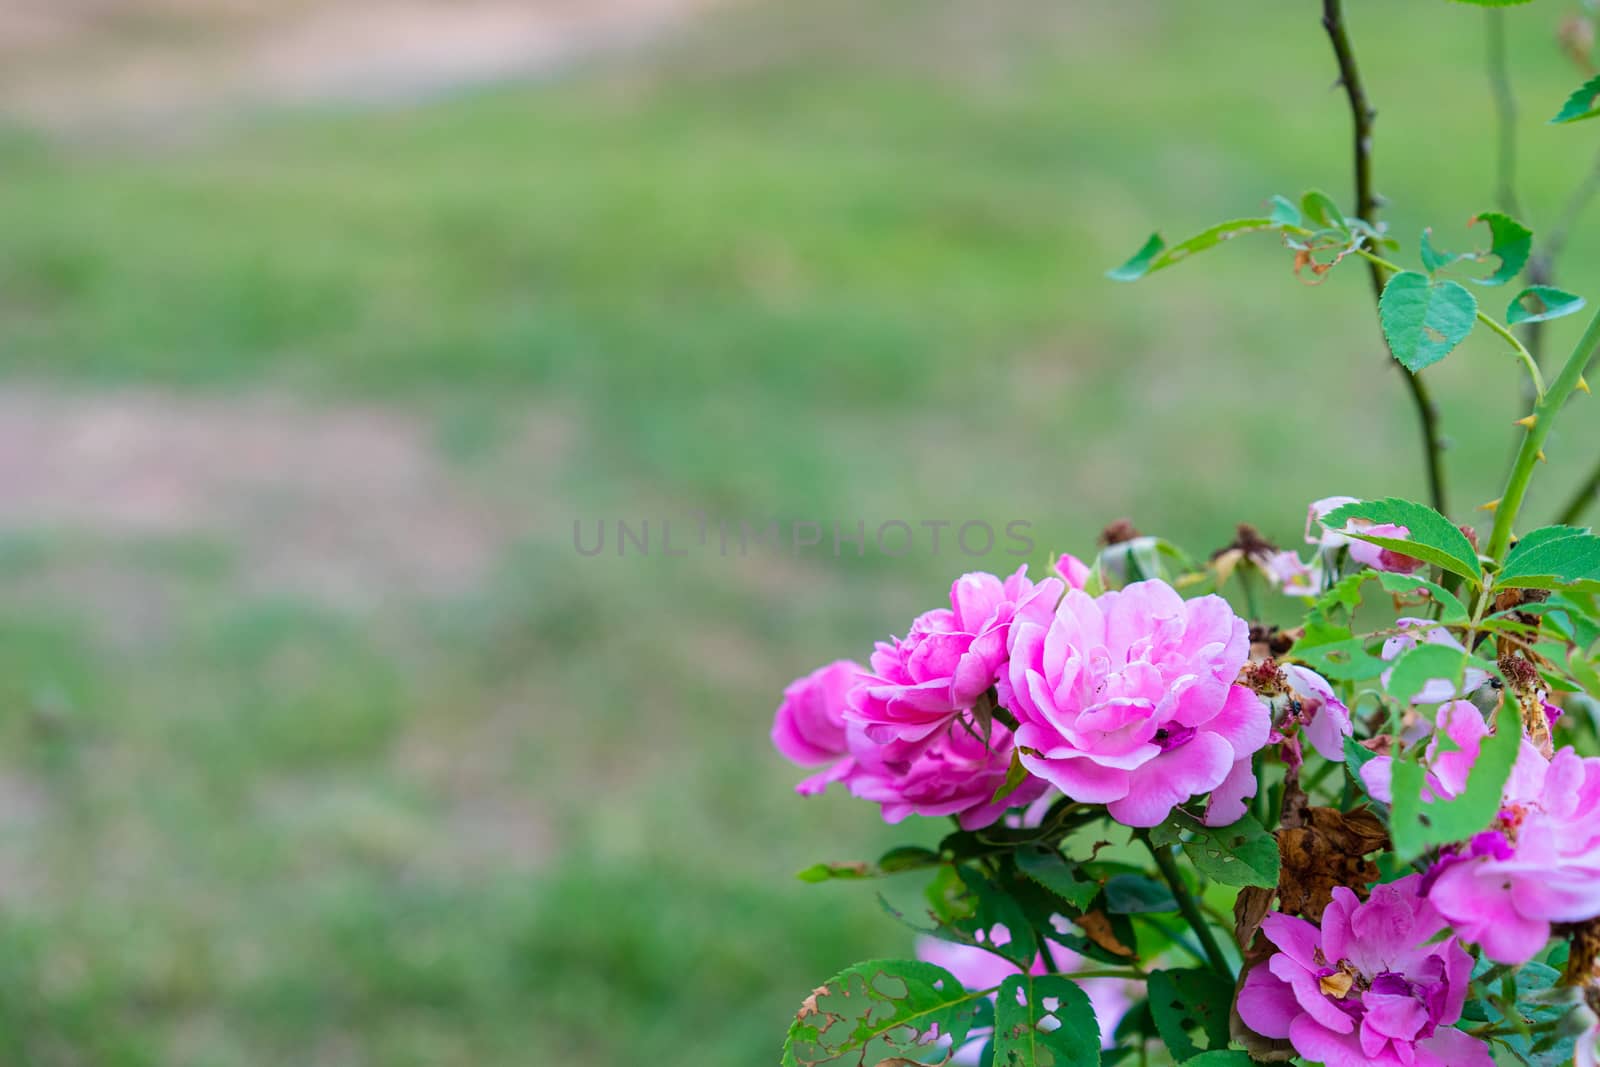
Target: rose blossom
{"type": "Point", "coordinates": [1072, 570]}
{"type": "Point", "coordinates": [976, 968]}
{"type": "Point", "coordinates": [1426, 631]}
{"type": "Point", "coordinates": [949, 658]}
{"type": "Point", "coordinates": [1129, 699]}
{"type": "Point", "coordinates": [1370, 988]}
{"type": "Point", "coordinates": [1538, 864]}
{"type": "Point", "coordinates": [1323, 716]}
{"type": "Point", "coordinates": [809, 727]}
{"type": "Point", "coordinates": [953, 772]}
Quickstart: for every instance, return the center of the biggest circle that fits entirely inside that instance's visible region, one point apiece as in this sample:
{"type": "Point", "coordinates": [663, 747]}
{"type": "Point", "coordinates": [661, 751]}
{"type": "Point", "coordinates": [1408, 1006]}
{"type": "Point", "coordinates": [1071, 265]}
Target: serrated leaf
{"type": "Point", "coordinates": [1423, 320]}
{"type": "Point", "coordinates": [1182, 1001]}
{"type": "Point", "coordinates": [1581, 104]}
{"type": "Point", "coordinates": [1553, 304]}
{"type": "Point", "coordinates": [1425, 663]}
{"type": "Point", "coordinates": [1240, 854]}
{"type": "Point", "coordinates": [900, 1007]}
{"type": "Point", "coordinates": [1510, 241]}
{"type": "Point", "coordinates": [1416, 826]}
{"type": "Point", "coordinates": [1551, 561]}
{"type": "Point", "coordinates": [1044, 1021]}
{"type": "Point", "coordinates": [1154, 255]}
{"type": "Point", "coordinates": [1333, 652]}
{"type": "Point", "coordinates": [1452, 608]}
{"type": "Point", "coordinates": [1134, 894]}
{"type": "Point", "coordinates": [1431, 538]}
{"type": "Point", "coordinates": [1050, 870]}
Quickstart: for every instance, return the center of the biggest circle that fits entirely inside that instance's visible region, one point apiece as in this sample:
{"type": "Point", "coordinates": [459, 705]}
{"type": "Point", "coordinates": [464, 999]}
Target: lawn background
{"type": "Point", "coordinates": [812, 261]}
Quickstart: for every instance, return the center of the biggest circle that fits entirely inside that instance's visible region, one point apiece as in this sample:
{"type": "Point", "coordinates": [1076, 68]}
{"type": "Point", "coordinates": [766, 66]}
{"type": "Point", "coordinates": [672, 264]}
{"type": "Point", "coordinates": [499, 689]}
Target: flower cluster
{"type": "Point", "coordinates": [1129, 699]}
{"type": "Point", "coordinates": [1371, 986]}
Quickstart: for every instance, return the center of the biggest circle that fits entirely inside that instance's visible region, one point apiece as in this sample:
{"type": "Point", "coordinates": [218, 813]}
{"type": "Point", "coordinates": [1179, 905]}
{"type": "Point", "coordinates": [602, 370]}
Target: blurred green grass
{"type": "Point", "coordinates": [821, 262]}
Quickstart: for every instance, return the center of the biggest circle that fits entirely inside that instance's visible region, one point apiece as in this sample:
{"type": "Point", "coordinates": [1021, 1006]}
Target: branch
{"type": "Point", "coordinates": [1363, 115]}
{"type": "Point", "coordinates": [1186, 903]}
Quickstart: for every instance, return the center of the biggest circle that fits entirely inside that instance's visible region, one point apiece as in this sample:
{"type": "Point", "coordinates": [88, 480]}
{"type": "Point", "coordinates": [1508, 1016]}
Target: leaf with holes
{"type": "Point", "coordinates": [1242, 853]}
{"type": "Point", "coordinates": [1417, 825]}
{"type": "Point", "coordinates": [879, 1010]}
{"type": "Point", "coordinates": [1430, 536]}
{"type": "Point", "coordinates": [1452, 610]}
{"type": "Point", "coordinates": [1184, 1001]}
{"type": "Point", "coordinates": [1551, 558]}
{"type": "Point", "coordinates": [1510, 242]}
{"type": "Point", "coordinates": [1044, 1021]}
{"type": "Point", "coordinates": [1334, 652]}
{"type": "Point", "coordinates": [1547, 302]}
{"type": "Point", "coordinates": [1425, 663]}
{"type": "Point", "coordinates": [1423, 320]}
{"type": "Point", "coordinates": [1581, 104]}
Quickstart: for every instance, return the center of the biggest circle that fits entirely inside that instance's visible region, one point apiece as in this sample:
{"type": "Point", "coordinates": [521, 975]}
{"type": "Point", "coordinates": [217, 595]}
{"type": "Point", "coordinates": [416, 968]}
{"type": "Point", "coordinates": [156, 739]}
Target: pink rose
{"type": "Point", "coordinates": [952, 772]}
{"type": "Point", "coordinates": [956, 772]}
{"type": "Point", "coordinates": [1538, 864]}
{"type": "Point", "coordinates": [1323, 716]}
{"type": "Point", "coordinates": [809, 727]}
{"type": "Point", "coordinates": [949, 658]}
{"type": "Point", "coordinates": [1370, 988]}
{"type": "Point", "coordinates": [1129, 700]}
{"type": "Point", "coordinates": [1072, 570]}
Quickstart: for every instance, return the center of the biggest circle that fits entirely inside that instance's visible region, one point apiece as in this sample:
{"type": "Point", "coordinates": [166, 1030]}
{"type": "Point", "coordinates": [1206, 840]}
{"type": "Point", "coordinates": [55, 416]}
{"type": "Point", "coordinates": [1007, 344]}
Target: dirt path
{"type": "Point", "coordinates": [80, 65]}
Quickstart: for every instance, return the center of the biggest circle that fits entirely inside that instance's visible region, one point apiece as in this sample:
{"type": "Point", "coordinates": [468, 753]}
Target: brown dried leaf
{"type": "Point", "coordinates": [1328, 850]}
{"type": "Point", "coordinates": [1098, 929]}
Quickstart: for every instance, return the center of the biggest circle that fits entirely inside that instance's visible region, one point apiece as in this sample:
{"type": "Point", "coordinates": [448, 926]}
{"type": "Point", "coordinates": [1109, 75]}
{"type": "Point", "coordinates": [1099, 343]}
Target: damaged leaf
{"type": "Point", "coordinates": [879, 1010]}
{"type": "Point", "coordinates": [1423, 320]}
{"type": "Point", "coordinates": [1044, 1021]}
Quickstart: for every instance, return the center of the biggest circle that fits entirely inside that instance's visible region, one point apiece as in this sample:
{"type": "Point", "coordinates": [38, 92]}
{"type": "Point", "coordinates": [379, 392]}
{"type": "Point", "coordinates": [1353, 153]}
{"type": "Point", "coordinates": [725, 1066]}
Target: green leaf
{"type": "Point", "coordinates": [1154, 255]}
{"type": "Point", "coordinates": [908, 858]}
{"type": "Point", "coordinates": [1223, 1058]}
{"type": "Point", "coordinates": [836, 872]}
{"type": "Point", "coordinates": [1134, 894]}
{"type": "Point", "coordinates": [1023, 1007]}
{"type": "Point", "coordinates": [1553, 304]}
{"type": "Point", "coordinates": [1284, 212]}
{"type": "Point", "coordinates": [1047, 868]}
{"type": "Point", "coordinates": [1510, 241]}
{"type": "Point", "coordinates": [1550, 558]}
{"type": "Point", "coordinates": [1424, 663]}
{"type": "Point", "coordinates": [1138, 264]}
{"type": "Point", "coordinates": [1320, 210]}
{"type": "Point", "coordinates": [1016, 774]}
{"type": "Point", "coordinates": [1581, 104]}
{"type": "Point", "coordinates": [1186, 1000]}
{"type": "Point", "coordinates": [1431, 537]}
{"type": "Point", "coordinates": [1424, 320]}
{"type": "Point", "coordinates": [1416, 825]}
{"type": "Point", "coordinates": [889, 1007]}
{"type": "Point", "coordinates": [1335, 653]}
{"type": "Point", "coordinates": [1240, 854]}
{"type": "Point", "coordinates": [1403, 584]}
{"type": "Point", "coordinates": [1432, 258]}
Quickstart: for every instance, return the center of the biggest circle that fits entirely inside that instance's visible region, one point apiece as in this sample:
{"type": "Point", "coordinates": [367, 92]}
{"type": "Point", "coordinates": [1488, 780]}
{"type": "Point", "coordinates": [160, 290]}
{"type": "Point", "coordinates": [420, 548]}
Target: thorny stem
{"type": "Point", "coordinates": [1186, 903]}
{"type": "Point", "coordinates": [1544, 417]}
{"type": "Point", "coordinates": [1363, 115]}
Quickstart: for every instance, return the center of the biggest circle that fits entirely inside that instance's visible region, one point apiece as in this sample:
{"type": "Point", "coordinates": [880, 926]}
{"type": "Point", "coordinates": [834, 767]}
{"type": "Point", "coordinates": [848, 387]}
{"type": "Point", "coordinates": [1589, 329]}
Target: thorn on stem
{"type": "Point", "coordinates": [1490, 506]}
{"type": "Point", "coordinates": [1527, 421]}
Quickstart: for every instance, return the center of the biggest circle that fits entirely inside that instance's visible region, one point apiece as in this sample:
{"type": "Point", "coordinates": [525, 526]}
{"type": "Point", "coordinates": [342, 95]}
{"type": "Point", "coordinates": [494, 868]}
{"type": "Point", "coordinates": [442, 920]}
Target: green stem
{"type": "Point", "coordinates": [1544, 417]}
{"type": "Point", "coordinates": [1186, 903]}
